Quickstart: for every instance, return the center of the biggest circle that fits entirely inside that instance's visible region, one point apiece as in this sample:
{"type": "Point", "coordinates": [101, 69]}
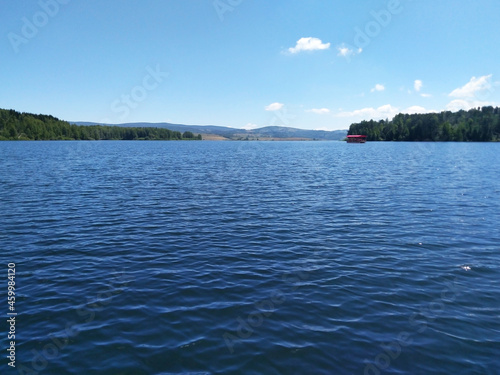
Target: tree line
{"type": "Point", "coordinates": [475, 125]}
{"type": "Point", "coordinates": [30, 127]}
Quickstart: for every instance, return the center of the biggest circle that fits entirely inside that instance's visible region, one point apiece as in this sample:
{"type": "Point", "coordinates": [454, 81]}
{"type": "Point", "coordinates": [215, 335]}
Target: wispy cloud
{"type": "Point", "coordinates": [250, 126]}
{"type": "Point", "coordinates": [417, 109]}
{"type": "Point", "coordinates": [418, 85]}
{"type": "Point", "coordinates": [347, 52]}
{"type": "Point", "coordinates": [378, 87]}
{"type": "Point", "coordinates": [382, 112]}
{"type": "Point", "coordinates": [458, 104]}
{"type": "Point", "coordinates": [473, 94]}
{"type": "Point", "coordinates": [319, 111]}
{"type": "Point", "coordinates": [473, 87]}
{"type": "Point", "coordinates": [274, 107]}
{"type": "Point", "coordinates": [309, 44]}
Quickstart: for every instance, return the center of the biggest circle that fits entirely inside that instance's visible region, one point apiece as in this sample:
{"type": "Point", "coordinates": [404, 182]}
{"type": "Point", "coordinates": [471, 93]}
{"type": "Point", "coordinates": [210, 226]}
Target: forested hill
{"type": "Point", "coordinates": [475, 125]}
{"type": "Point", "coordinates": [27, 126]}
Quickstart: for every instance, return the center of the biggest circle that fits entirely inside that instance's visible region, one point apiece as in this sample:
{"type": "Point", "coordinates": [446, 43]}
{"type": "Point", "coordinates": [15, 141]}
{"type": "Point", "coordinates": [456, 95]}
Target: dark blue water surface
{"type": "Point", "coordinates": [252, 257]}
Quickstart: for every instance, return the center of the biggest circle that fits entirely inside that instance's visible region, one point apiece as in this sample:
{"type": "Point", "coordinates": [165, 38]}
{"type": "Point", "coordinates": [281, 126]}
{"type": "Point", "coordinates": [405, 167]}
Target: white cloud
{"type": "Point", "coordinates": [250, 126]}
{"type": "Point", "coordinates": [309, 44]}
{"type": "Point", "coordinates": [274, 107]}
{"type": "Point", "coordinates": [417, 109]}
{"type": "Point", "coordinates": [345, 51]}
{"type": "Point", "coordinates": [319, 111]}
{"type": "Point", "coordinates": [426, 95]}
{"type": "Point", "coordinates": [458, 104]}
{"type": "Point", "coordinates": [383, 112]}
{"type": "Point", "coordinates": [378, 87]}
{"type": "Point", "coordinates": [473, 87]}
{"type": "Point", "coordinates": [418, 85]}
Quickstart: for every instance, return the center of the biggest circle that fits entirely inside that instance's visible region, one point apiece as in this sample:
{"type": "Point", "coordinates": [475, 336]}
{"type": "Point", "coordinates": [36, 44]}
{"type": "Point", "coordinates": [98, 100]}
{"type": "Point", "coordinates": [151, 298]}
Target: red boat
{"type": "Point", "coordinates": [356, 139]}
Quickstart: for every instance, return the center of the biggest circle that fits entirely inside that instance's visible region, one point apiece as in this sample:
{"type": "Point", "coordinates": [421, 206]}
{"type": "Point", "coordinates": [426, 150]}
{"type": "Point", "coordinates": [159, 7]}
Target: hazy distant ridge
{"type": "Point", "coordinates": [234, 134]}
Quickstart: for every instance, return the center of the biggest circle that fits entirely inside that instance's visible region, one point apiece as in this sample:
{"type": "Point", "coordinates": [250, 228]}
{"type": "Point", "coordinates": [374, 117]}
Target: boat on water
{"type": "Point", "coordinates": [356, 139]}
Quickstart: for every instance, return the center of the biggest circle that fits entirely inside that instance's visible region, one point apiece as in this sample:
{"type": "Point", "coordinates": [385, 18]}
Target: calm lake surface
{"type": "Point", "coordinates": [252, 257]}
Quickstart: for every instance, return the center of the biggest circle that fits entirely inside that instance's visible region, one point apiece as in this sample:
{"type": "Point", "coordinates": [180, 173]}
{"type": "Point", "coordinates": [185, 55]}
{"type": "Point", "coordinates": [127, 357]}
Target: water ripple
{"type": "Point", "coordinates": [242, 257]}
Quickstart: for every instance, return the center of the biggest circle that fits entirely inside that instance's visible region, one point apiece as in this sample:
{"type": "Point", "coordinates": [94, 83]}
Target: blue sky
{"type": "Point", "coordinates": [248, 63]}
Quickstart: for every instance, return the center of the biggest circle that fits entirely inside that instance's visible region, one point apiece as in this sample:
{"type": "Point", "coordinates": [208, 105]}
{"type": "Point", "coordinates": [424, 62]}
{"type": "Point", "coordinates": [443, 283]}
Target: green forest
{"type": "Point", "coordinates": [30, 127]}
{"type": "Point", "coordinates": [475, 125]}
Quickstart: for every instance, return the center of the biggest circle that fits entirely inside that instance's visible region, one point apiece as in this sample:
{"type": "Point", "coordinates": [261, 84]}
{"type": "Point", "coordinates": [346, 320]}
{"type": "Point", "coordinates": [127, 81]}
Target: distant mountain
{"type": "Point", "coordinates": [38, 127]}
{"type": "Point", "coordinates": [285, 132]}
{"type": "Point", "coordinates": [222, 132]}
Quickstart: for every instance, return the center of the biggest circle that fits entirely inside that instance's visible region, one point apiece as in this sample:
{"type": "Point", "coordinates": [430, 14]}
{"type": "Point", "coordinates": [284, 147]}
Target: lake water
{"type": "Point", "coordinates": [252, 257]}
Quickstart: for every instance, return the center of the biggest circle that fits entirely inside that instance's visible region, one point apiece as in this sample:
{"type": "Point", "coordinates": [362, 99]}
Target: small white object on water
{"type": "Point", "coordinates": [466, 268]}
